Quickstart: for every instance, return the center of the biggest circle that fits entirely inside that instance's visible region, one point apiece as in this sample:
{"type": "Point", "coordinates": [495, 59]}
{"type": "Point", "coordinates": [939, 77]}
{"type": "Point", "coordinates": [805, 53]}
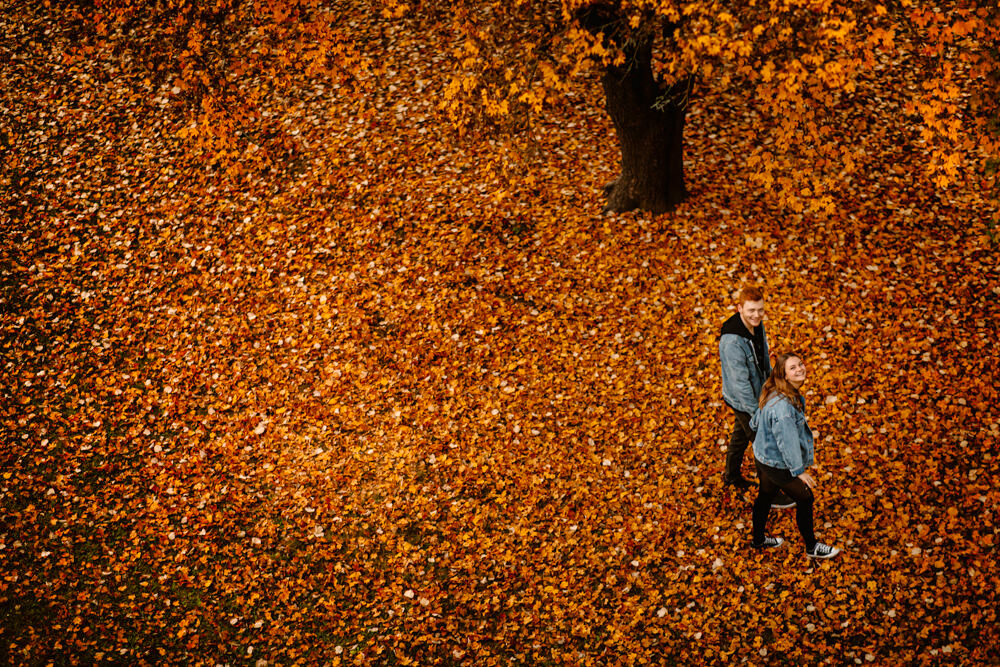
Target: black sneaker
{"type": "Point", "coordinates": [739, 483]}
{"type": "Point", "coordinates": [769, 543]}
{"type": "Point", "coordinates": [821, 550]}
{"type": "Point", "coordinates": [782, 501]}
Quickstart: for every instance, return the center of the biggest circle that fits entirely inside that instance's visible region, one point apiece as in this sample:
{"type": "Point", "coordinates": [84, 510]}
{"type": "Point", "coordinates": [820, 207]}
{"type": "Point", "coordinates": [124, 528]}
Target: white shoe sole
{"type": "Point", "coordinates": [824, 556]}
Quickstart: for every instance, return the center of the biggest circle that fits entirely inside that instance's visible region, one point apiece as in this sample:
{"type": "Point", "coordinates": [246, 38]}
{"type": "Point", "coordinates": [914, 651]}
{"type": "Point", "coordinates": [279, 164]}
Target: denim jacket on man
{"type": "Point", "coordinates": [783, 436]}
{"type": "Point", "coordinates": [743, 369]}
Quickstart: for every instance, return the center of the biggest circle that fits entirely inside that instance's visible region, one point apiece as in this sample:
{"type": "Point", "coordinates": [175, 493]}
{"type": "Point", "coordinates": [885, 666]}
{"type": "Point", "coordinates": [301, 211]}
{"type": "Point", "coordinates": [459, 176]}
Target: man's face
{"type": "Point", "coordinates": [752, 313]}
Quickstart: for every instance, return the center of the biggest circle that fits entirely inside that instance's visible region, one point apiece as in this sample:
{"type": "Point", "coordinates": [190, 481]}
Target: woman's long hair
{"type": "Point", "coordinates": [778, 383]}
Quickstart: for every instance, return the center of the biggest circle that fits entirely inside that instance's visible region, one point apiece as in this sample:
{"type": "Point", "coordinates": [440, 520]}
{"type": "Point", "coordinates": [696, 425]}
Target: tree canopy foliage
{"type": "Point", "coordinates": [812, 71]}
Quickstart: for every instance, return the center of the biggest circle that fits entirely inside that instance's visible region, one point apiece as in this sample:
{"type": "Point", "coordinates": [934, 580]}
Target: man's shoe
{"type": "Point", "coordinates": [739, 483]}
{"type": "Point", "coordinates": [782, 501]}
{"type": "Point", "coordinates": [769, 543]}
{"type": "Point", "coordinates": [821, 550]}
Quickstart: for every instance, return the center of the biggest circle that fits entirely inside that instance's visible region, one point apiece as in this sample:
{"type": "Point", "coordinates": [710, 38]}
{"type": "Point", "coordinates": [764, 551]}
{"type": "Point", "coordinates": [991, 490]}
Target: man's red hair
{"type": "Point", "coordinates": [750, 294]}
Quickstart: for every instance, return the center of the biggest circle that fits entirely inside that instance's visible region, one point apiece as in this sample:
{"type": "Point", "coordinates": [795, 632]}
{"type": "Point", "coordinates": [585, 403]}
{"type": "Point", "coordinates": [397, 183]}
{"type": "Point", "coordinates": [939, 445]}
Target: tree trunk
{"type": "Point", "coordinates": [649, 121]}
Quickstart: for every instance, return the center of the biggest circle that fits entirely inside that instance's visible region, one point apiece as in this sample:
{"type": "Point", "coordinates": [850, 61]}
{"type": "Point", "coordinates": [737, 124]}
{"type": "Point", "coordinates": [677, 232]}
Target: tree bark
{"type": "Point", "coordinates": [649, 121]}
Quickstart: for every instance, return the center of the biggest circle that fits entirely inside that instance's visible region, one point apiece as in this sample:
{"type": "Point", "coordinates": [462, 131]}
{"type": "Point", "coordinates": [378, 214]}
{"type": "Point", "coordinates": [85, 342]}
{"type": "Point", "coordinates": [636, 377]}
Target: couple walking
{"type": "Point", "coordinates": [770, 411]}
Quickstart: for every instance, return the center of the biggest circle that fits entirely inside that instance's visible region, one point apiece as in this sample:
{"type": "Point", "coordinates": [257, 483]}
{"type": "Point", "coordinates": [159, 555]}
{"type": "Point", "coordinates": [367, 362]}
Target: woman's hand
{"type": "Point", "coordinates": [808, 479]}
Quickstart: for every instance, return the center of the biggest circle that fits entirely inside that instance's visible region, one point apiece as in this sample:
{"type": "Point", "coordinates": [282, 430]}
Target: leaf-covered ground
{"type": "Point", "coordinates": [392, 397]}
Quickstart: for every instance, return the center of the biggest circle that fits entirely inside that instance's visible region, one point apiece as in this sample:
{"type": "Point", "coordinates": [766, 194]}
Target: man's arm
{"type": "Point", "coordinates": [736, 375]}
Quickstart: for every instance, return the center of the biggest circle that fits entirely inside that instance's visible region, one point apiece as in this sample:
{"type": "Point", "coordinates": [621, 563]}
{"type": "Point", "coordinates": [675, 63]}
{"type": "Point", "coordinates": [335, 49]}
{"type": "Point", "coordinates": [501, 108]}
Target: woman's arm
{"type": "Point", "coordinates": [786, 435]}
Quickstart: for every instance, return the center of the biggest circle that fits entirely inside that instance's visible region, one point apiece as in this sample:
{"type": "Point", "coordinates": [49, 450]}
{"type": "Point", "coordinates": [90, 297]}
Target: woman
{"type": "Point", "coordinates": [782, 450]}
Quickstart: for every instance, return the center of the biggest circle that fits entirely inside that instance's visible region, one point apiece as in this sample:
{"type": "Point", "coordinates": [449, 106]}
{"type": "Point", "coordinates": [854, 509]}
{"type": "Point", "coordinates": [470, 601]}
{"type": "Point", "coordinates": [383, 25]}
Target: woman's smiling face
{"type": "Point", "coordinates": [795, 371]}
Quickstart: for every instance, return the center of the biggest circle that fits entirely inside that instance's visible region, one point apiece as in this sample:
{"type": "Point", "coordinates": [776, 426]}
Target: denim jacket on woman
{"type": "Point", "coordinates": [783, 436]}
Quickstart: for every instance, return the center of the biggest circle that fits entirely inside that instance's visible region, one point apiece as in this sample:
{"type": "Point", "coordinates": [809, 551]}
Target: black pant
{"type": "Point", "coordinates": [773, 481]}
{"type": "Point", "coordinates": [739, 440]}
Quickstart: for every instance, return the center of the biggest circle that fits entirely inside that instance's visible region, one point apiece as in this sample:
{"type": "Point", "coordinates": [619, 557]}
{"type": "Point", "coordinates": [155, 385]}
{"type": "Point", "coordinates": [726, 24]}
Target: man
{"type": "Point", "coordinates": [745, 365]}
